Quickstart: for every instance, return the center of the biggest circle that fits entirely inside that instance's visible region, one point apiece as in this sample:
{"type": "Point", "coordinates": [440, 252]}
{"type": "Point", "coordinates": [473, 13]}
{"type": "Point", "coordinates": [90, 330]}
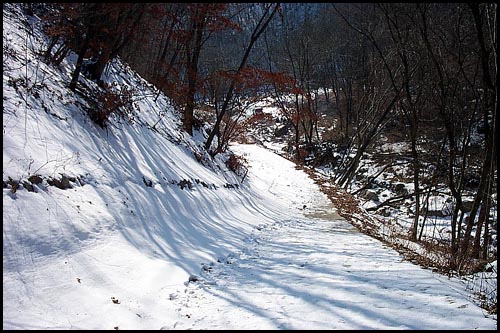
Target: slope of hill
{"type": "Point", "coordinates": [112, 227]}
{"type": "Point", "coordinates": [81, 201]}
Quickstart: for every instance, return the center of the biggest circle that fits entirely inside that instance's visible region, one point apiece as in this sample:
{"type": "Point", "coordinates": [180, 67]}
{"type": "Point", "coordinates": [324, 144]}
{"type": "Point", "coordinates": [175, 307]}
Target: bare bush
{"type": "Point", "coordinates": [108, 103]}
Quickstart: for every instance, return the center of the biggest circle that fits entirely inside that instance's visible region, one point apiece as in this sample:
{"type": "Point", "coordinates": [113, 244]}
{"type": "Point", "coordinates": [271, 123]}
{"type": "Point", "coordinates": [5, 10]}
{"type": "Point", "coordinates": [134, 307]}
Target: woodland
{"type": "Point", "coordinates": [347, 78]}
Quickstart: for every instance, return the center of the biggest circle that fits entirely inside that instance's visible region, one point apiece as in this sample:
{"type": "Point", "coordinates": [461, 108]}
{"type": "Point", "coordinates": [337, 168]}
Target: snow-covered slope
{"type": "Point", "coordinates": [66, 252]}
{"type": "Point", "coordinates": [115, 246]}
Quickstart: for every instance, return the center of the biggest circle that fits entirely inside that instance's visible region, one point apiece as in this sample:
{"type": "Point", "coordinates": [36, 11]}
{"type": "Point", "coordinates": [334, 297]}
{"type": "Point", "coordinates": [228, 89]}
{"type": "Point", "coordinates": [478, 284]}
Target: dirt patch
{"type": "Point", "coordinates": [327, 214]}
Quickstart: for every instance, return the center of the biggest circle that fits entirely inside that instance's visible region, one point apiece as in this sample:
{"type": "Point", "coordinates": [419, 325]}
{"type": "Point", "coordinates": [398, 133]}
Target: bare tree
{"type": "Point", "coordinates": [398, 18]}
{"type": "Point", "coordinates": [378, 94]}
{"type": "Point", "coordinates": [268, 13]}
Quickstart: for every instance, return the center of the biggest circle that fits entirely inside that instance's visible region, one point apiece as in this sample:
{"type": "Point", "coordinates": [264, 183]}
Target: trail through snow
{"type": "Point", "coordinates": [127, 247]}
{"type": "Point", "coordinates": [317, 273]}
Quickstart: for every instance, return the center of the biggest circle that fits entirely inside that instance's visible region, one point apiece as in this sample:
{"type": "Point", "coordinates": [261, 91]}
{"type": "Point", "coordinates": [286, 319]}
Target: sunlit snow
{"type": "Point", "coordinates": [114, 253]}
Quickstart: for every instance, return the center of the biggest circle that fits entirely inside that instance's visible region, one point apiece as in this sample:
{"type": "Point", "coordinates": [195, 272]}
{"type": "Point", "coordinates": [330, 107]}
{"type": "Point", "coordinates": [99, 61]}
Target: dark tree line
{"type": "Point", "coordinates": [432, 69]}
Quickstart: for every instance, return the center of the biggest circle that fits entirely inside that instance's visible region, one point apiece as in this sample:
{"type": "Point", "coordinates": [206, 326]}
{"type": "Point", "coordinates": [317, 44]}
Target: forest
{"type": "Point", "coordinates": [347, 78]}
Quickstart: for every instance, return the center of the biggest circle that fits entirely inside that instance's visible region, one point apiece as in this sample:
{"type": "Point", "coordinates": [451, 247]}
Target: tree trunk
{"type": "Point", "coordinates": [480, 194]}
{"type": "Point", "coordinates": [192, 71]}
{"type": "Point", "coordinates": [96, 70]}
{"type": "Point", "coordinates": [79, 62]}
{"type": "Point", "coordinates": [416, 171]}
{"type": "Point", "coordinates": [483, 220]}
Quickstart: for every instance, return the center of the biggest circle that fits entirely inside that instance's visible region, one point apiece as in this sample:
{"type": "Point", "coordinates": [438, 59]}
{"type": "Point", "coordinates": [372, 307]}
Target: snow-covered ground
{"type": "Point", "coordinates": [114, 251]}
{"type": "Point", "coordinates": [316, 271]}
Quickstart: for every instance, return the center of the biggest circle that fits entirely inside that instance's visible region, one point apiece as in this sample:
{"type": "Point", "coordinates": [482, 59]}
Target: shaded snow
{"type": "Point", "coordinates": [112, 252]}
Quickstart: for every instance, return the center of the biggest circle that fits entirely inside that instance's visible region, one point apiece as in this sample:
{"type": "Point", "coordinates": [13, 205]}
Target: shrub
{"type": "Point", "coordinates": [108, 102]}
{"type": "Point", "coordinates": [237, 164]}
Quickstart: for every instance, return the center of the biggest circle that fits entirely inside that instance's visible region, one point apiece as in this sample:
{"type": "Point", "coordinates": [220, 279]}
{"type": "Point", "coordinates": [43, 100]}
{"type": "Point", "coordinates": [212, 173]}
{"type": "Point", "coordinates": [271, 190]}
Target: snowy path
{"type": "Point", "coordinates": [313, 273]}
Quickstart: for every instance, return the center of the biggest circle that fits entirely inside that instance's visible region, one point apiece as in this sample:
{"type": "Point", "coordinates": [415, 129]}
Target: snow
{"type": "Point", "coordinates": [316, 273]}
{"type": "Point", "coordinates": [113, 253]}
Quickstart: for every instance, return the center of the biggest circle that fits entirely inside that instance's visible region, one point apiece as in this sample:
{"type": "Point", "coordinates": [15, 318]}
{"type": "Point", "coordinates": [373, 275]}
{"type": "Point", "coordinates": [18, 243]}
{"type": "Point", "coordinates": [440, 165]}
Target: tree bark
{"type": "Point", "coordinates": [79, 62]}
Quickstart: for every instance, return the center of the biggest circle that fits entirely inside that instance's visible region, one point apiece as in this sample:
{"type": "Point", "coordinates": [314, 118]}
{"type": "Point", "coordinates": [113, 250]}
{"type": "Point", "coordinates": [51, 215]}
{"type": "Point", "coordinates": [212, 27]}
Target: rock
{"type": "Point", "coordinates": [27, 185]}
{"type": "Point", "coordinates": [62, 184]}
{"type": "Point", "coordinates": [370, 195]}
{"type": "Point", "coordinates": [206, 268]}
{"type": "Point", "coordinates": [282, 131]}
{"type": "Point", "coordinates": [147, 182]}
{"type": "Point", "coordinates": [193, 278]}
{"type": "Point", "coordinates": [53, 182]}
{"type": "Point", "coordinates": [14, 185]}
{"type": "Point", "coordinates": [400, 189]}
{"type": "Point", "coordinates": [35, 179]}
{"type": "Point", "coordinates": [65, 182]}
{"type": "Point", "coordinates": [185, 183]}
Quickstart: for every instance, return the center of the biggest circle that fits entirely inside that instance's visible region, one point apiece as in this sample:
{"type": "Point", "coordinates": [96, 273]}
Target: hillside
{"type": "Point", "coordinates": [131, 226]}
{"type": "Point", "coordinates": [107, 211]}
{"type": "Point", "coordinates": [80, 200]}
